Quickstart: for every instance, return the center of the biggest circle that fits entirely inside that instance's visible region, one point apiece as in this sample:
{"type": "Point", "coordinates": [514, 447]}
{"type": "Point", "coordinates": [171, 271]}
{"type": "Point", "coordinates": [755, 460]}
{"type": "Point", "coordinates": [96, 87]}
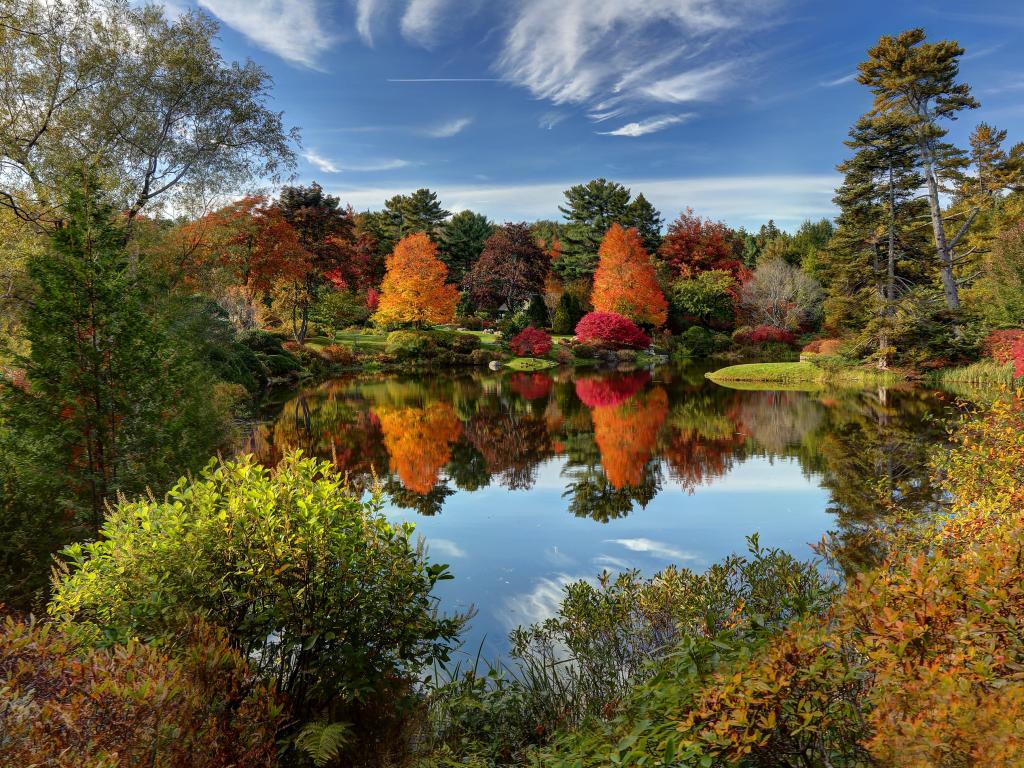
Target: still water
{"type": "Point", "coordinates": [523, 482]}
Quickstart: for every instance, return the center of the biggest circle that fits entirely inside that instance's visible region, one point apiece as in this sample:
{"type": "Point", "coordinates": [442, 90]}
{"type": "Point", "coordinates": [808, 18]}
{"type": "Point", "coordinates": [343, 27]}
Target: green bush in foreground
{"type": "Point", "coordinates": [327, 600]}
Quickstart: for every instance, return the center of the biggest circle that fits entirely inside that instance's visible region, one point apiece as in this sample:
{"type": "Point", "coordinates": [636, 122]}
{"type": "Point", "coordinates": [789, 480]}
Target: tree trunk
{"type": "Point", "coordinates": [942, 248]}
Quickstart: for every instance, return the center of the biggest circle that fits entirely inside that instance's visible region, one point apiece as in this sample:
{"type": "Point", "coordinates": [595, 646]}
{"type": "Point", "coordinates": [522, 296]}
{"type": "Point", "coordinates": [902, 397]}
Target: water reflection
{"type": "Point", "coordinates": [505, 473]}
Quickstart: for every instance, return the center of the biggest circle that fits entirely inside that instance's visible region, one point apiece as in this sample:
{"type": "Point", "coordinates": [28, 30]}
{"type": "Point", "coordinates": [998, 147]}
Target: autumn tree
{"type": "Point", "coordinates": [250, 240]}
{"type": "Point", "coordinates": [414, 290]}
{"type": "Point", "coordinates": [510, 270]}
{"type": "Point", "coordinates": [462, 240]}
{"type": "Point", "coordinates": [625, 281]}
{"type": "Point", "coordinates": [694, 245]}
{"type": "Point", "coordinates": [590, 209]}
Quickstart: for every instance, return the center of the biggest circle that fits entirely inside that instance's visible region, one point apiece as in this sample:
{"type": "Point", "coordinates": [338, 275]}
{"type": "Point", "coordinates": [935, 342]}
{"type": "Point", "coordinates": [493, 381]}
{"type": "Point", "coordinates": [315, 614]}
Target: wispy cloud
{"type": "Point", "coordinates": [366, 13]}
{"type": "Point", "coordinates": [445, 548]}
{"type": "Point", "coordinates": [840, 80]}
{"type": "Point", "coordinates": [444, 79]}
{"type": "Point", "coordinates": [422, 20]}
{"type": "Point", "coordinates": [327, 165]}
{"type": "Point", "coordinates": [598, 53]}
{"type": "Point", "coordinates": [449, 129]}
{"type": "Point", "coordinates": [321, 162]}
{"type": "Point", "coordinates": [295, 30]}
{"type": "Point", "coordinates": [550, 119]}
{"type": "Point", "coordinates": [656, 548]}
{"type": "Point", "coordinates": [650, 125]}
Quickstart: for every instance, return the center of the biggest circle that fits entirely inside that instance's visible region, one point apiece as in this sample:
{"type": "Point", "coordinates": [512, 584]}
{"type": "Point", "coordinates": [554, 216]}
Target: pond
{"type": "Point", "coordinates": [523, 482]}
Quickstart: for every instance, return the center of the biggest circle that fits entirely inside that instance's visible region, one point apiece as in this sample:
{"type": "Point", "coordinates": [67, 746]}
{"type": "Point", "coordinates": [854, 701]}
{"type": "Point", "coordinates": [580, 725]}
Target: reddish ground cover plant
{"type": "Point", "coordinates": [131, 705]}
{"type": "Point", "coordinates": [530, 342]}
{"type": "Point", "coordinates": [601, 391]}
{"type": "Point", "coordinates": [611, 330]}
{"type": "Point", "coordinates": [822, 347]}
{"type": "Point", "coordinates": [1007, 347]}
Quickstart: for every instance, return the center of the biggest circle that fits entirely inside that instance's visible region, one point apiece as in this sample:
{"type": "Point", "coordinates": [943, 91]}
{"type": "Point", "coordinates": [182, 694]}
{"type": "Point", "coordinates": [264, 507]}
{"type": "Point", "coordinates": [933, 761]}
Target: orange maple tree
{"type": "Point", "coordinates": [414, 290]}
{"type": "Point", "coordinates": [418, 440]}
{"type": "Point", "coordinates": [693, 245]}
{"type": "Point", "coordinates": [627, 435]}
{"type": "Point", "coordinates": [625, 281]}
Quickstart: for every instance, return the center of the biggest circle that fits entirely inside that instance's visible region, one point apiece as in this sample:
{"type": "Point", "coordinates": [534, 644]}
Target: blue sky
{"type": "Point", "coordinates": [737, 108]}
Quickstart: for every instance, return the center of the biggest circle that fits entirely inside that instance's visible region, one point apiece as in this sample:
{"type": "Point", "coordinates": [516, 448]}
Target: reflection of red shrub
{"type": "Point", "coordinates": [611, 390]}
{"type": "Point", "coordinates": [530, 342]}
{"type": "Point", "coordinates": [765, 334]}
{"type": "Point", "coordinates": [531, 386]}
{"type": "Point", "coordinates": [609, 329]}
{"type": "Point", "coordinates": [999, 344]}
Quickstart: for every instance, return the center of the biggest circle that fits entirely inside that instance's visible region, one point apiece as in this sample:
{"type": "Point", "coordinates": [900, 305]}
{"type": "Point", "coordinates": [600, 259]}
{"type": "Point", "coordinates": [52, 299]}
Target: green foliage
{"type": "Point", "coordinates": [326, 597]}
{"type": "Point", "coordinates": [411, 345]}
{"type": "Point", "coordinates": [537, 313]}
{"type": "Point", "coordinates": [339, 309]}
{"type": "Point", "coordinates": [462, 241]}
{"type": "Point", "coordinates": [113, 404]}
{"type": "Point", "coordinates": [697, 342]}
{"type": "Point", "coordinates": [707, 299]}
{"type": "Point", "coordinates": [590, 209]}
{"type": "Point", "coordinates": [323, 742]}
{"type": "Point", "coordinates": [608, 656]}
{"type": "Point", "coordinates": [567, 314]}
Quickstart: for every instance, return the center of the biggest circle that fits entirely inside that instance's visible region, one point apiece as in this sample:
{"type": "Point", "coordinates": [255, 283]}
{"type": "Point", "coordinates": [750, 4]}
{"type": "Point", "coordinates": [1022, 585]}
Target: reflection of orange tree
{"type": "Point", "coordinates": [627, 435]}
{"type": "Point", "coordinates": [419, 442]}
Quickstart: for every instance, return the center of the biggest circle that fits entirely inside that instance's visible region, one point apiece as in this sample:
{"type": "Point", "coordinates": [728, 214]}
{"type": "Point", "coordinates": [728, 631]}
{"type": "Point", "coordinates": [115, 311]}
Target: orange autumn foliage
{"type": "Point", "coordinates": [627, 435]}
{"type": "Point", "coordinates": [418, 440]}
{"type": "Point", "coordinates": [414, 288]}
{"type": "Point", "coordinates": [625, 281]}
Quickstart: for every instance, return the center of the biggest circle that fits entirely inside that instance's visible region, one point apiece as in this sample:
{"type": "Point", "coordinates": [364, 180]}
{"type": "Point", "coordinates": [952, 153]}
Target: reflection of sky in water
{"type": "Point", "coordinates": [511, 552]}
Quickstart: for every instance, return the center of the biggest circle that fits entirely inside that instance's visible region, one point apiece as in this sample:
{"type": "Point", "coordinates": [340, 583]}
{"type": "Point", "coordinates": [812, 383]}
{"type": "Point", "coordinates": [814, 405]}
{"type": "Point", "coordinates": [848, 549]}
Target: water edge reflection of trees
{"type": "Point", "coordinates": [617, 439]}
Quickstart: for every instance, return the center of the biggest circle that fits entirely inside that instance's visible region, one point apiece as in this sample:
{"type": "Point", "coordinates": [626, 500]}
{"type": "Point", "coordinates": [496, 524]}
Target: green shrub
{"type": "Point", "coordinates": [482, 356]}
{"type": "Point", "coordinates": [339, 309]}
{"type": "Point", "coordinates": [261, 341]}
{"type": "Point", "coordinates": [406, 345]}
{"type": "Point", "coordinates": [457, 342]}
{"type": "Point", "coordinates": [281, 365]}
{"type": "Point", "coordinates": [584, 351]}
{"type": "Point", "coordinates": [318, 589]}
{"type": "Point", "coordinates": [568, 312]}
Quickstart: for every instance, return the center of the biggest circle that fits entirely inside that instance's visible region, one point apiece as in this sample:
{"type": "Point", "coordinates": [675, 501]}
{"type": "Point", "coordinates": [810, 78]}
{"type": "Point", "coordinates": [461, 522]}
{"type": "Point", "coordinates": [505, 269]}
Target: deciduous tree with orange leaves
{"type": "Point", "coordinates": [625, 281]}
{"type": "Point", "coordinates": [694, 245]}
{"type": "Point", "coordinates": [414, 290]}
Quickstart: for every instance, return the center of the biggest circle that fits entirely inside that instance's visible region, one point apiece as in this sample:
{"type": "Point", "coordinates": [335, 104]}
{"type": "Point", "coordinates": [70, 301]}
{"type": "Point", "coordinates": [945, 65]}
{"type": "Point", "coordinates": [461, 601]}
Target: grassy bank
{"type": "Point", "coordinates": [802, 373]}
{"type": "Point", "coordinates": [986, 373]}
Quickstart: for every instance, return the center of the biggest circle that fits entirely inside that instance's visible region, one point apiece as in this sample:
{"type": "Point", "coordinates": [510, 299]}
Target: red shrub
{"type": "Point", "coordinates": [530, 342]}
{"type": "Point", "coordinates": [610, 390]}
{"type": "Point", "coordinates": [531, 386]}
{"type": "Point", "coordinates": [1017, 358]}
{"type": "Point", "coordinates": [999, 344]}
{"type": "Point", "coordinates": [765, 334]}
{"type": "Point", "coordinates": [610, 329]}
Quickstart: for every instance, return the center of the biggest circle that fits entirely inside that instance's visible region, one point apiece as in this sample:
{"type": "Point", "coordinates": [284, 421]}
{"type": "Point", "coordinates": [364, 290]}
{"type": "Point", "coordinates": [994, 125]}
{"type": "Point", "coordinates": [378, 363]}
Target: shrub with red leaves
{"type": "Point", "coordinates": [1017, 358]}
{"type": "Point", "coordinates": [530, 342]}
{"type": "Point", "coordinates": [822, 347]}
{"type": "Point", "coordinates": [999, 345]}
{"type": "Point", "coordinates": [601, 391]}
{"type": "Point", "coordinates": [531, 386]}
{"type": "Point", "coordinates": [611, 330]}
{"type": "Point", "coordinates": [766, 334]}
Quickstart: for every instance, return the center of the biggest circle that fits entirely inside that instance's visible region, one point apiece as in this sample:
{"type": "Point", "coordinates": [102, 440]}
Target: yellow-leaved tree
{"type": "Point", "coordinates": [414, 290]}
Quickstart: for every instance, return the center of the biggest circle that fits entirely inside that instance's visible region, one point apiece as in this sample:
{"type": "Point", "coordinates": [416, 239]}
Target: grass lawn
{"type": "Point", "coordinates": [486, 337]}
{"type": "Point", "coordinates": [529, 364]}
{"type": "Point", "coordinates": [802, 373]}
{"type": "Point", "coordinates": [362, 340]}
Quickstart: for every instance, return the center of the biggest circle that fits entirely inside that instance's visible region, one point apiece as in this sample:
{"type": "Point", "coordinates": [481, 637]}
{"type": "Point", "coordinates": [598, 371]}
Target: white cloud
{"type": "Point", "coordinates": [445, 548]}
{"type": "Point", "coordinates": [421, 20]}
{"type": "Point", "coordinates": [550, 119]}
{"type": "Point", "coordinates": [603, 53]}
{"type": "Point", "coordinates": [840, 80]}
{"type": "Point", "coordinates": [321, 162]}
{"type": "Point", "coordinates": [656, 548]}
{"type": "Point", "coordinates": [366, 11]}
{"type": "Point", "coordinates": [650, 125]}
{"type": "Point", "coordinates": [738, 200]}
{"type": "Point", "coordinates": [295, 30]}
{"type": "Point", "coordinates": [449, 129]}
